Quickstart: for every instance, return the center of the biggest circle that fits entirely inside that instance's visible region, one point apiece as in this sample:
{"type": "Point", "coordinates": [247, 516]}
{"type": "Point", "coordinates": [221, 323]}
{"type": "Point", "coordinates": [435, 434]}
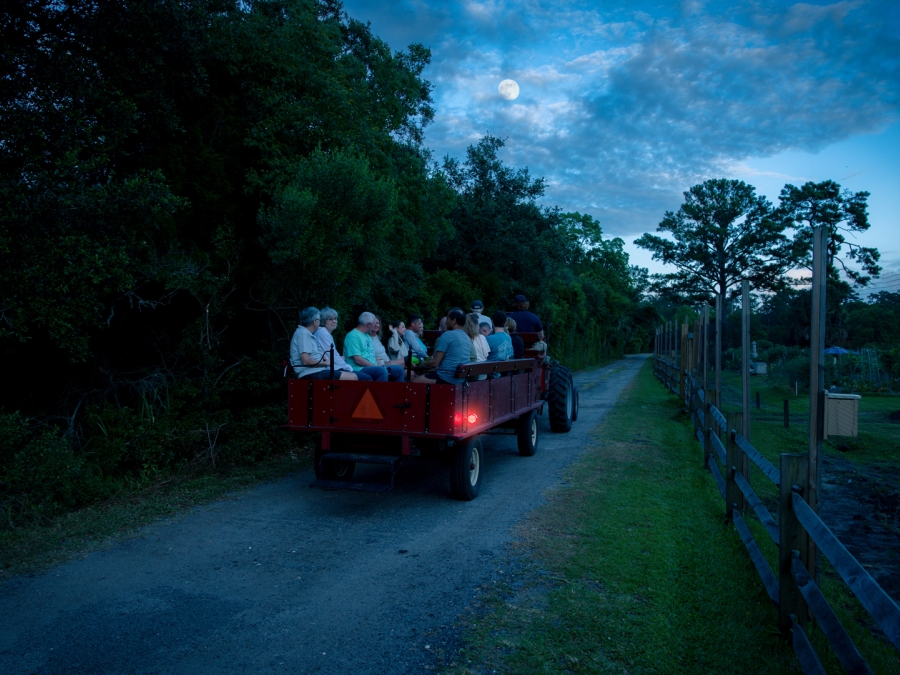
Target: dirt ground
{"type": "Point", "coordinates": [861, 505]}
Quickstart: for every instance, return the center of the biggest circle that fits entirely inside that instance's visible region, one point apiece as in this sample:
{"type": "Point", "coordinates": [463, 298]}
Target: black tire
{"type": "Point", "coordinates": [332, 470]}
{"type": "Point", "coordinates": [575, 407]}
{"type": "Point", "coordinates": [466, 469]}
{"type": "Point", "coordinates": [561, 399]}
{"type": "Point", "coordinates": [527, 434]}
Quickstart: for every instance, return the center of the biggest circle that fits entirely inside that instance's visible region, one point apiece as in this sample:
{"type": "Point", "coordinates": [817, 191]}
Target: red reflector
{"type": "Point", "coordinates": [367, 410]}
{"type": "Point", "coordinates": [457, 419]}
{"type": "Point", "coordinates": [472, 418]}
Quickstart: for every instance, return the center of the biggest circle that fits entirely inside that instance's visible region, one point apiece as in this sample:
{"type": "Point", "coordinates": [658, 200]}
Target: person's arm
{"type": "Point", "coordinates": [307, 360]}
{"type": "Point", "coordinates": [435, 360]}
{"type": "Point", "coordinates": [360, 361]}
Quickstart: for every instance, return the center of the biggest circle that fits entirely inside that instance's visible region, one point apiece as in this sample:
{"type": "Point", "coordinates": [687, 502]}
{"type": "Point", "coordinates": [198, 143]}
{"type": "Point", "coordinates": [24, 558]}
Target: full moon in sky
{"type": "Point", "coordinates": [508, 89]}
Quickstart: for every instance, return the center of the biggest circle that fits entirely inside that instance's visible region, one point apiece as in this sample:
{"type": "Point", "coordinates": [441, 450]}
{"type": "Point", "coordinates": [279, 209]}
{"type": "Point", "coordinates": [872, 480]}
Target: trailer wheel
{"type": "Point", "coordinates": [332, 470]}
{"type": "Point", "coordinates": [465, 469]}
{"type": "Point", "coordinates": [527, 434]}
{"type": "Point", "coordinates": [561, 398]}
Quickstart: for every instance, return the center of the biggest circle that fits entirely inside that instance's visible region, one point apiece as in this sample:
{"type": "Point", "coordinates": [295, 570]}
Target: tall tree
{"type": "Point", "coordinates": [721, 233]}
{"type": "Point", "coordinates": [841, 211]}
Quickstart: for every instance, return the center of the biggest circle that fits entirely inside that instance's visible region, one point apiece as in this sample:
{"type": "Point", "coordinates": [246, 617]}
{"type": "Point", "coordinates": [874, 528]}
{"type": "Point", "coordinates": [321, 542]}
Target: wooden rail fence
{"type": "Point", "coordinates": [791, 588]}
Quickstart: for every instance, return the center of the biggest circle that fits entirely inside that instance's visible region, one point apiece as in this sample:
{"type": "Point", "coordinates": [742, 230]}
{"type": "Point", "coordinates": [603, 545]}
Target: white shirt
{"type": "Point", "coordinates": [482, 349]}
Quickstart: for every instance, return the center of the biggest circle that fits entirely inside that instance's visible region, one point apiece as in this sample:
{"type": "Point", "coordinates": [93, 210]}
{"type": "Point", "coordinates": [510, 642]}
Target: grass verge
{"type": "Point", "coordinates": [27, 550]}
{"type": "Point", "coordinates": [629, 568]}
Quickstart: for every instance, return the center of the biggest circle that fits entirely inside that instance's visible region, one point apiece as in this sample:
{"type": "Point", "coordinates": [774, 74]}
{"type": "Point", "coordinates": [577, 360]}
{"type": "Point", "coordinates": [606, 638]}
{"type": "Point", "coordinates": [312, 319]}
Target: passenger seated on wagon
{"type": "Point", "coordinates": [360, 353]}
{"type": "Point", "coordinates": [478, 342]}
{"type": "Point", "coordinates": [414, 329]}
{"type": "Point", "coordinates": [307, 357]}
{"type": "Point", "coordinates": [452, 349]}
{"type": "Point", "coordinates": [499, 342]}
{"type": "Point", "coordinates": [397, 347]}
{"type": "Point", "coordinates": [326, 341]}
{"type": "Point", "coordinates": [485, 328]}
{"type": "Point", "coordinates": [517, 342]}
{"type": "Point", "coordinates": [381, 355]}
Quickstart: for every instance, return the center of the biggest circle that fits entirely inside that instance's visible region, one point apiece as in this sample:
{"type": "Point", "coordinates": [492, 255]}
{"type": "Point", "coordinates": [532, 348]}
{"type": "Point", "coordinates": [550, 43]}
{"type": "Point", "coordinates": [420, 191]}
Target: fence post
{"type": "Point", "coordinates": [745, 357]}
{"type": "Point", "coordinates": [733, 494]}
{"type": "Point", "coordinates": [707, 430]}
{"type": "Point", "coordinates": [682, 381]}
{"type": "Point", "coordinates": [792, 537]}
{"type": "Point", "coordinates": [720, 307]}
{"type": "Point", "coordinates": [787, 417]}
{"type": "Point", "coordinates": [705, 344]}
{"type": "Point", "coordinates": [816, 385]}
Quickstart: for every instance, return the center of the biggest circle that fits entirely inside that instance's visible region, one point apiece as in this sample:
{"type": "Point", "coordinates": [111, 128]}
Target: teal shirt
{"type": "Point", "coordinates": [358, 343]}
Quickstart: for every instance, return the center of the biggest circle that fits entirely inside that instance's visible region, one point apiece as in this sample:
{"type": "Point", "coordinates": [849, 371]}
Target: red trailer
{"type": "Point", "coordinates": [390, 422]}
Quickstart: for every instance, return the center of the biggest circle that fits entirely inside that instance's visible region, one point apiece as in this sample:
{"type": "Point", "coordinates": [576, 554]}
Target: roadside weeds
{"type": "Point", "coordinates": [28, 550]}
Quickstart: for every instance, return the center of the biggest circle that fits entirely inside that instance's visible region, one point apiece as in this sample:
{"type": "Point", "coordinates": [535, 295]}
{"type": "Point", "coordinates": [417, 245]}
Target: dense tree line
{"type": "Point", "coordinates": [179, 178]}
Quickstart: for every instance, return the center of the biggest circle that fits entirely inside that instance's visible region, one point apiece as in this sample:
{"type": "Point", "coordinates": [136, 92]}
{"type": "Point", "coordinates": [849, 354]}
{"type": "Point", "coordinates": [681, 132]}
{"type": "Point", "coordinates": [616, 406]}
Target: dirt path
{"type": "Point", "coordinates": [285, 579]}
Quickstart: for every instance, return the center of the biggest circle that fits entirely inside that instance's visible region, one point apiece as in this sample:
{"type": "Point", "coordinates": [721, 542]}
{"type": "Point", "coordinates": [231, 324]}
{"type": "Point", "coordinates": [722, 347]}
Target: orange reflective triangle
{"type": "Point", "coordinates": [367, 408]}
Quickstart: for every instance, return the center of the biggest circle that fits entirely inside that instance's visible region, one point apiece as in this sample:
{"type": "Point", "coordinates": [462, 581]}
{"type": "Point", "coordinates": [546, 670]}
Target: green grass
{"type": "Point", "coordinates": [629, 568]}
{"type": "Point", "coordinates": [31, 549]}
{"type": "Point", "coordinates": [878, 440]}
{"type": "Point", "coordinates": [875, 451]}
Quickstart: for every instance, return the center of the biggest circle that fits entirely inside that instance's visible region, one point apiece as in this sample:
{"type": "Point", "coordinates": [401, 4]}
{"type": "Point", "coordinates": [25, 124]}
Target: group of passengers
{"type": "Point", "coordinates": [465, 338]}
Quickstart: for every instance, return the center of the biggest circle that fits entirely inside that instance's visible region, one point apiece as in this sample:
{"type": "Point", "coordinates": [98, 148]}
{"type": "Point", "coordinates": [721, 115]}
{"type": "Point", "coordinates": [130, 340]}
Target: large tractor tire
{"type": "Point", "coordinates": [527, 434]}
{"type": "Point", "coordinates": [465, 469]}
{"type": "Point", "coordinates": [561, 397]}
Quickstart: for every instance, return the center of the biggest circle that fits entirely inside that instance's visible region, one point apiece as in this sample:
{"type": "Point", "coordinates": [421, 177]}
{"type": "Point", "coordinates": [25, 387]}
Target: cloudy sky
{"type": "Point", "coordinates": [625, 105]}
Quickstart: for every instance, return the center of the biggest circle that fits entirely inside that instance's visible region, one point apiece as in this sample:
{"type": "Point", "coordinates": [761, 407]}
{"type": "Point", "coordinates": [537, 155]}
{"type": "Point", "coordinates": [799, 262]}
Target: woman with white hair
{"type": "Point", "coordinates": [325, 339]}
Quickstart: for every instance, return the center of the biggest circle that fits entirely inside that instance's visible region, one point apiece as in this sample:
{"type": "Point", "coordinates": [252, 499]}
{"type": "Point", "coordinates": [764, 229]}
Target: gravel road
{"type": "Point", "coordinates": [285, 579]}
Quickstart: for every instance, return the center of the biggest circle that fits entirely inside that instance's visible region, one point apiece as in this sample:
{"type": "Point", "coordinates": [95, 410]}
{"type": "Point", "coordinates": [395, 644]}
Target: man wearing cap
{"type": "Point", "coordinates": [477, 307]}
{"type": "Point", "coordinates": [526, 322]}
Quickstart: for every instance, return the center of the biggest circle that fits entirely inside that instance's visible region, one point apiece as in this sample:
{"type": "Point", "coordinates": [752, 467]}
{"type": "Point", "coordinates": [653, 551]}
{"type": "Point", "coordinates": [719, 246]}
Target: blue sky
{"type": "Point", "coordinates": [625, 105]}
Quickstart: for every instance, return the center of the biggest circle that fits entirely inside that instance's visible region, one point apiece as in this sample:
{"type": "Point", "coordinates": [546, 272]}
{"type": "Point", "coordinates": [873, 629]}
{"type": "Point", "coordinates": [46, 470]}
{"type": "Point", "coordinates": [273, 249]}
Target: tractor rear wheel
{"type": "Point", "coordinates": [527, 434]}
{"type": "Point", "coordinates": [561, 399]}
{"type": "Point", "coordinates": [465, 469]}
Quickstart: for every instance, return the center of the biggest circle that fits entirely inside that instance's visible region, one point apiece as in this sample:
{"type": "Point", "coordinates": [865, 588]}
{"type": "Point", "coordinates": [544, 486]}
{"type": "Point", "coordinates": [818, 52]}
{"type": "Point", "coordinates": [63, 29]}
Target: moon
{"type": "Point", "coordinates": [508, 89]}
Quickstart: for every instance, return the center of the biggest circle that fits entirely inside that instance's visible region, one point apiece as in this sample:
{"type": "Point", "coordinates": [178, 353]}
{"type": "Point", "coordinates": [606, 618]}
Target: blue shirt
{"type": "Point", "coordinates": [415, 345]}
{"type": "Point", "coordinates": [526, 322]}
{"type": "Point", "coordinates": [501, 346]}
{"type": "Point", "coordinates": [457, 348]}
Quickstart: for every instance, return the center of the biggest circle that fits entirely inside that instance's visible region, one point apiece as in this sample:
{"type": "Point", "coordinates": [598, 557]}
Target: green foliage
{"type": "Point", "coordinates": [826, 205]}
{"type": "Point", "coordinates": [178, 179]}
{"type": "Point", "coordinates": [722, 233]}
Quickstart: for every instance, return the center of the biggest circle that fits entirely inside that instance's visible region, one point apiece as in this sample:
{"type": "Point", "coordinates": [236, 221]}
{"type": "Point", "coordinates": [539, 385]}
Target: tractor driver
{"type": "Point", "coordinates": [526, 321]}
{"type": "Point", "coordinates": [452, 349]}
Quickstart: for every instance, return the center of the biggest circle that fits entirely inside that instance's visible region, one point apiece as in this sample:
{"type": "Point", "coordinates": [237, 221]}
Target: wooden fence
{"type": "Point", "coordinates": [792, 588]}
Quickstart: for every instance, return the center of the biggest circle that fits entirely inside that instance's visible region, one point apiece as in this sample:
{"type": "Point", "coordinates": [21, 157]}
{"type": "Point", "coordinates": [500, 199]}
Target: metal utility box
{"type": "Point", "coordinates": [841, 414]}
